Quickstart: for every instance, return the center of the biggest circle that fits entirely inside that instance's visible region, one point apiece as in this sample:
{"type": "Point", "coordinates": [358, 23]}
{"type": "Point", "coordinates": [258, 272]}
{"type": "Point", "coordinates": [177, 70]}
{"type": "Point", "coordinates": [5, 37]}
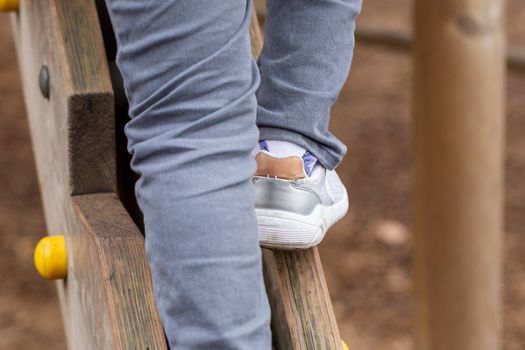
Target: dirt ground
{"type": "Point", "coordinates": [367, 256]}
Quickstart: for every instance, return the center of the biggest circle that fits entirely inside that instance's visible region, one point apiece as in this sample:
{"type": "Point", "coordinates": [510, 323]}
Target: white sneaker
{"type": "Point", "coordinates": [295, 210]}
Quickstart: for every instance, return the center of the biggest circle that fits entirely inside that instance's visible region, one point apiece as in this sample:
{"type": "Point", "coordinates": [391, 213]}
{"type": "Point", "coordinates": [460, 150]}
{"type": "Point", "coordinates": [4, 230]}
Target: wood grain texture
{"type": "Point", "coordinates": [64, 35]}
{"type": "Point", "coordinates": [459, 56]}
{"type": "Point", "coordinates": [91, 144]}
{"type": "Point", "coordinates": [110, 280]}
{"type": "Point", "coordinates": [302, 313]}
{"type": "Point", "coordinates": [107, 300]}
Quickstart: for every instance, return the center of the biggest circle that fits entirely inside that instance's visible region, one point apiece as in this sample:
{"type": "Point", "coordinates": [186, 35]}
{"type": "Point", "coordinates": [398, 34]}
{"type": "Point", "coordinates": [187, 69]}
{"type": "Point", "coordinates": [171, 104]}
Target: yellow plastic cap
{"type": "Point", "coordinates": [51, 258]}
{"type": "Point", "coordinates": [8, 5]}
{"type": "Point", "coordinates": [345, 347]}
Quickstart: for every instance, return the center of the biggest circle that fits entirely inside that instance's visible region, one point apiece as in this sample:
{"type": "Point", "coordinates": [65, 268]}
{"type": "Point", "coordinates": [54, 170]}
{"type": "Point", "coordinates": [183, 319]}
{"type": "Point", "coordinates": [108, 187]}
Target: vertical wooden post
{"type": "Point", "coordinates": [459, 128]}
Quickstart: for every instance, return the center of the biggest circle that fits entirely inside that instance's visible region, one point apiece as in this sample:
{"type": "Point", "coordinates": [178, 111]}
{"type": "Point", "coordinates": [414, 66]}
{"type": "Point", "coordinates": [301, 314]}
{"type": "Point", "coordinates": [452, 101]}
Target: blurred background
{"type": "Point", "coordinates": [367, 256]}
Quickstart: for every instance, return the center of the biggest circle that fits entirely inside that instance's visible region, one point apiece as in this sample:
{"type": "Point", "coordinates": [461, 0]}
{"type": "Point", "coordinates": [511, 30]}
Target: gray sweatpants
{"type": "Point", "coordinates": [199, 103]}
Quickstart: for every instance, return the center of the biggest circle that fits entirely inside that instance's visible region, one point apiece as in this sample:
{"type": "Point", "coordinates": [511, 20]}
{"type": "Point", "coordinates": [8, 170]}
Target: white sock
{"type": "Point", "coordinates": [279, 149]}
{"type": "Point", "coordinates": [283, 149]}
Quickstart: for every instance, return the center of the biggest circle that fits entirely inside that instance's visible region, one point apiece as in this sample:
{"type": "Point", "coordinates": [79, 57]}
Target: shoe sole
{"type": "Point", "coordinates": [280, 229]}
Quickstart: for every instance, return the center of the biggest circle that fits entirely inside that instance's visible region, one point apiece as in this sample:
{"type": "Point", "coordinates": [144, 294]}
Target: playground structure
{"type": "Point", "coordinates": [106, 298]}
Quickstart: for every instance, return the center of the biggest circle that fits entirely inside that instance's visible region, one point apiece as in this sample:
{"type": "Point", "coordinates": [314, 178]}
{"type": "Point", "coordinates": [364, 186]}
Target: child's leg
{"type": "Point", "coordinates": [190, 80]}
{"type": "Point", "coordinates": [304, 63]}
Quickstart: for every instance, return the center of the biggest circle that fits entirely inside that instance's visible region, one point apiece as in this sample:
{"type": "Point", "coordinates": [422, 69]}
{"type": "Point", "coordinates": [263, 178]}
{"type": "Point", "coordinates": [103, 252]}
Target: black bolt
{"type": "Point", "coordinates": [43, 81]}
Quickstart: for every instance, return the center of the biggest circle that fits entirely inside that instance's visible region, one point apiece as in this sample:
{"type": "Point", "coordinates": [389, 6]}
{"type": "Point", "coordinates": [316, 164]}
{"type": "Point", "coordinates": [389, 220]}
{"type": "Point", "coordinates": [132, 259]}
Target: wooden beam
{"type": "Point", "coordinates": [397, 39]}
{"type": "Point", "coordinates": [81, 104]}
{"type": "Point", "coordinates": [302, 313]}
{"type": "Point", "coordinates": [107, 299]}
{"type": "Point", "coordinates": [459, 55]}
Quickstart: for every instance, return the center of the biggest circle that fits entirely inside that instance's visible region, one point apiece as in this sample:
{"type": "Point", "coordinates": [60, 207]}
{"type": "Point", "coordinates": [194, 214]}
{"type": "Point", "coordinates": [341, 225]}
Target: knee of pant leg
{"type": "Point", "coordinates": [169, 45]}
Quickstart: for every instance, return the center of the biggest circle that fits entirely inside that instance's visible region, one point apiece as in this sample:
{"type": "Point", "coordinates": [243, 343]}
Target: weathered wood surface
{"type": "Point", "coordinates": [80, 90]}
{"type": "Point", "coordinates": [458, 143]}
{"type": "Point", "coordinates": [107, 299]}
{"type": "Point", "coordinates": [106, 241]}
{"type": "Point", "coordinates": [302, 313]}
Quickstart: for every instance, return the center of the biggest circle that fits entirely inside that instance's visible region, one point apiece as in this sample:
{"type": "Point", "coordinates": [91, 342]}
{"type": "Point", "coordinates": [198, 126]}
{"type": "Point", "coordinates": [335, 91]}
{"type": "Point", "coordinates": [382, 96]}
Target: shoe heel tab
{"type": "Point", "coordinates": [289, 168]}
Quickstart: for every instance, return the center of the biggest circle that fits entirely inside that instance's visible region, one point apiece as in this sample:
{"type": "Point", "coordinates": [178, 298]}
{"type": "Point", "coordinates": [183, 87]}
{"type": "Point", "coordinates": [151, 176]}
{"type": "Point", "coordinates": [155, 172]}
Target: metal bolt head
{"type": "Point", "coordinates": [43, 81]}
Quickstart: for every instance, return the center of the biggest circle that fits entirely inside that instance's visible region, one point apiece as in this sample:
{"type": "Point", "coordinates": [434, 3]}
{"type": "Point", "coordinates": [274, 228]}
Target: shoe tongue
{"type": "Point", "coordinates": [309, 162]}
